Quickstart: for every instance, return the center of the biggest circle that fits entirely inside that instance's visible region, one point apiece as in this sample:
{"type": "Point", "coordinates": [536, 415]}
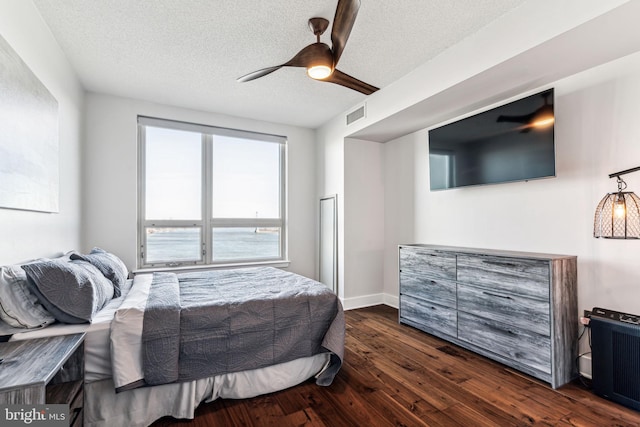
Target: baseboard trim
{"type": "Point", "coordinates": [362, 301]}
{"type": "Point", "coordinates": [584, 366]}
{"type": "Point", "coordinates": [370, 300]}
{"type": "Point", "coordinates": [391, 300]}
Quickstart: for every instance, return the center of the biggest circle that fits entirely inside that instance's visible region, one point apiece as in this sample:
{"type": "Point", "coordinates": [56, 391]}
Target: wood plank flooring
{"type": "Point", "coordinates": [395, 375]}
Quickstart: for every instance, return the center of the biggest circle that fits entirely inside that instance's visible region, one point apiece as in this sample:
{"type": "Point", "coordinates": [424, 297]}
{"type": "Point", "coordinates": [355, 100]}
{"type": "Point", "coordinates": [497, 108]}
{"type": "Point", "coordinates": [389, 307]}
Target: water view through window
{"type": "Point", "coordinates": [245, 243]}
{"type": "Point", "coordinates": [237, 243]}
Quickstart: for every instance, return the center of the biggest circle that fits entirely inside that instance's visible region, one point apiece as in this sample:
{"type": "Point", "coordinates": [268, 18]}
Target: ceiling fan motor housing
{"type": "Point", "coordinates": [318, 26]}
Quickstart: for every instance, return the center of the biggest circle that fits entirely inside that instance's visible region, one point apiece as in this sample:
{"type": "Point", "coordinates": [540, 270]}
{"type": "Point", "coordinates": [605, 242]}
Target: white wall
{"type": "Point", "coordinates": [27, 235]}
{"type": "Point", "coordinates": [330, 180]}
{"type": "Point", "coordinates": [364, 197]}
{"type": "Point", "coordinates": [110, 176]}
{"type": "Point", "coordinates": [401, 182]}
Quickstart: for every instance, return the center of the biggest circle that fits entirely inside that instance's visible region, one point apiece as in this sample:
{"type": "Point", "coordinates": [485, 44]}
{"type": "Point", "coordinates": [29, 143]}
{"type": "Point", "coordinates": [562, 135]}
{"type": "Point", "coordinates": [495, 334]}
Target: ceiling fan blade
{"type": "Point", "coordinates": [305, 57]}
{"type": "Point", "coordinates": [259, 73]}
{"type": "Point", "coordinates": [342, 79]}
{"type": "Point", "coordinates": [301, 59]}
{"type": "Point", "coordinates": [346, 14]}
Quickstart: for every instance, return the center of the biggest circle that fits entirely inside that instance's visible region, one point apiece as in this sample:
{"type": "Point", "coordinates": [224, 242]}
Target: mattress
{"type": "Point", "coordinates": [97, 359]}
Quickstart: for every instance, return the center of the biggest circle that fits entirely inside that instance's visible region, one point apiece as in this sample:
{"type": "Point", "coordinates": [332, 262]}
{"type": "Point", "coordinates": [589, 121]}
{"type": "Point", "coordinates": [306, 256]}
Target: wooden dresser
{"type": "Point", "coordinates": [517, 308]}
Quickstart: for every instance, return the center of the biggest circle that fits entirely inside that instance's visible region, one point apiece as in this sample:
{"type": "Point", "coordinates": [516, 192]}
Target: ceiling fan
{"type": "Point", "coordinates": [319, 59]}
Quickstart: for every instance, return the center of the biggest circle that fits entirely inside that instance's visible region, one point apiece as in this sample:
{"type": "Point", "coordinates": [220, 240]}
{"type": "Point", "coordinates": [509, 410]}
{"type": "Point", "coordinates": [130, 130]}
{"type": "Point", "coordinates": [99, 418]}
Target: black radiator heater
{"type": "Point", "coordinates": [615, 356]}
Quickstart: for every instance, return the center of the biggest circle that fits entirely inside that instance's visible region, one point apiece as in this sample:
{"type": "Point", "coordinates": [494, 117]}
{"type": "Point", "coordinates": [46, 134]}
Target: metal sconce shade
{"type": "Point", "coordinates": [618, 216]}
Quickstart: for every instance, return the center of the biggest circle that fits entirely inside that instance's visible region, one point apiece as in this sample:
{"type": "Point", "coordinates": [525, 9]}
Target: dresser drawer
{"type": "Point", "coordinates": [528, 277]}
{"type": "Point", "coordinates": [439, 291]}
{"type": "Point", "coordinates": [431, 316]}
{"type": "Point", "coordinates": [522, 347]}
{"type": "Point", "coordinates": [432, 263]}
{"type": "Point", "coordinates": [524, 312]}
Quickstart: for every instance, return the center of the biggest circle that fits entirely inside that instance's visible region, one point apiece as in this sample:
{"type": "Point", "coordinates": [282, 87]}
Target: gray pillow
{"type": "Point", "coordinates": [19, 307]}
{"type": "Point", "coordinates": [73, 292]}
{"type": "Point", "coordinates": [110, 265]}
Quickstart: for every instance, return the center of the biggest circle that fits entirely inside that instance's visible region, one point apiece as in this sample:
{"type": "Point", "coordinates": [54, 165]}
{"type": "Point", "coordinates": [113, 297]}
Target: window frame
{"type": "Point", "coordinates": [208, 223]}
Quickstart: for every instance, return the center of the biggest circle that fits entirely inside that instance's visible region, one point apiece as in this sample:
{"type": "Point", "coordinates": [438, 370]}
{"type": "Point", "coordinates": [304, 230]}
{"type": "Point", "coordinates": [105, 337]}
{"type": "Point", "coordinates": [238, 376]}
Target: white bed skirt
{"type": "Point", "coordinates": [142, 406]}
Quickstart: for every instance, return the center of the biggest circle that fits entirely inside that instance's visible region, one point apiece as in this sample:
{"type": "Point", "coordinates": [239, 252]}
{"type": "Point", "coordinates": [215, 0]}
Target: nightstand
{"type": "Point", "coordinates": [44, 370]}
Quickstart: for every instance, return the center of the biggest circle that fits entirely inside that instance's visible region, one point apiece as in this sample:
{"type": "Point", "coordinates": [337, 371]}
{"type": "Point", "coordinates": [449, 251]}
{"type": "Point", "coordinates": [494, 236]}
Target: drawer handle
{"type": "Point", "coordinates": [499, 263]}
{"type": "Point", "coordinates": [496, 295]}
{"type": "Point", "coordinates": [501, 330]}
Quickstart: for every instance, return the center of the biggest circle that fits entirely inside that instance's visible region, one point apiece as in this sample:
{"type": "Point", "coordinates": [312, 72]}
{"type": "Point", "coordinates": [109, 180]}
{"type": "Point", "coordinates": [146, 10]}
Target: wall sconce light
{"type": "Point", "coordinates": [618, 214]}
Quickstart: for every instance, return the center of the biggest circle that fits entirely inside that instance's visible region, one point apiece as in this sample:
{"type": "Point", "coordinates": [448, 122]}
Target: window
{"type": "Point", "coordinates": [209, 195]}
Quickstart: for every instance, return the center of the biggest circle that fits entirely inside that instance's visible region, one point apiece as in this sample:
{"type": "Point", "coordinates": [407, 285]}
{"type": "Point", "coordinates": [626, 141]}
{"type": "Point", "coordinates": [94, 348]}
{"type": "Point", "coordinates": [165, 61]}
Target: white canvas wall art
{"type": "Point", "coordinates": [29, 175]}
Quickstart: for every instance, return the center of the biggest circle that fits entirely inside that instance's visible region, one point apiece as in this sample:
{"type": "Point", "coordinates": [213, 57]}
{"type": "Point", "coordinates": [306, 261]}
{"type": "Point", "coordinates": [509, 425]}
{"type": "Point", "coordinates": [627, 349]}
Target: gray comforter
{"type": "Point", "coordinates": [197, 325]}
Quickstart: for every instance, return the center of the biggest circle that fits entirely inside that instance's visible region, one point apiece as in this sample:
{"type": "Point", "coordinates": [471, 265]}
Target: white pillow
{"type": "Point", "coordinates": [18, 306]}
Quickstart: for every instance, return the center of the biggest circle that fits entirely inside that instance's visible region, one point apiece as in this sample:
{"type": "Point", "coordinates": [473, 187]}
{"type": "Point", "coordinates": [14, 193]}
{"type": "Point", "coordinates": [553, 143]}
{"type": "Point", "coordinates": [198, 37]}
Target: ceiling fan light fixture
{"type": "Point", "coordinates": [320, 61]}
{"type": "Point", "coordinates": [319, 72]}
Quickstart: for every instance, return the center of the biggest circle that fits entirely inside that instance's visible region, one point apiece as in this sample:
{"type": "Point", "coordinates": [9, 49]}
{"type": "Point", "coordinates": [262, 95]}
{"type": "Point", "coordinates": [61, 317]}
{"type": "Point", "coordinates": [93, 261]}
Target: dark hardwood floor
{"type": "Point", "coordinates": [395, 375]}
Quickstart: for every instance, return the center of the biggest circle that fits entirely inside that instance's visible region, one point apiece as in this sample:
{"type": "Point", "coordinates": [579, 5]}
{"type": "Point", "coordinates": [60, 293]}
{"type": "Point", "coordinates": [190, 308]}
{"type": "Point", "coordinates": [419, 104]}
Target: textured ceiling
{"type": "Point", "coordinates": [188, 53]}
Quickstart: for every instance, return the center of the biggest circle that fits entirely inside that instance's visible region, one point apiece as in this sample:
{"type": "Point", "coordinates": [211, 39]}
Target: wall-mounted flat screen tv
{"type": "Point", "coordinates": [513, 142]}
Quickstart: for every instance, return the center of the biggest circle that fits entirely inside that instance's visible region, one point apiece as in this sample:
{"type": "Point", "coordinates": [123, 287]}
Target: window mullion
{"type": "Point", "coordinates": [141, 193]}
{"type": "Point", "coordinates": [283, 200]}
{"type": "Point", "coordinates": [172, 223]}
{"type": "Point", "coordinates": [246, 222]}
{"type": "Point", "coordinates": [207, 195]}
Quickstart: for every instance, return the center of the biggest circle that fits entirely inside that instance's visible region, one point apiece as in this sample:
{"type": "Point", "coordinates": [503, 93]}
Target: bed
{"type": "Point", "coordinates": [120, 388]}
